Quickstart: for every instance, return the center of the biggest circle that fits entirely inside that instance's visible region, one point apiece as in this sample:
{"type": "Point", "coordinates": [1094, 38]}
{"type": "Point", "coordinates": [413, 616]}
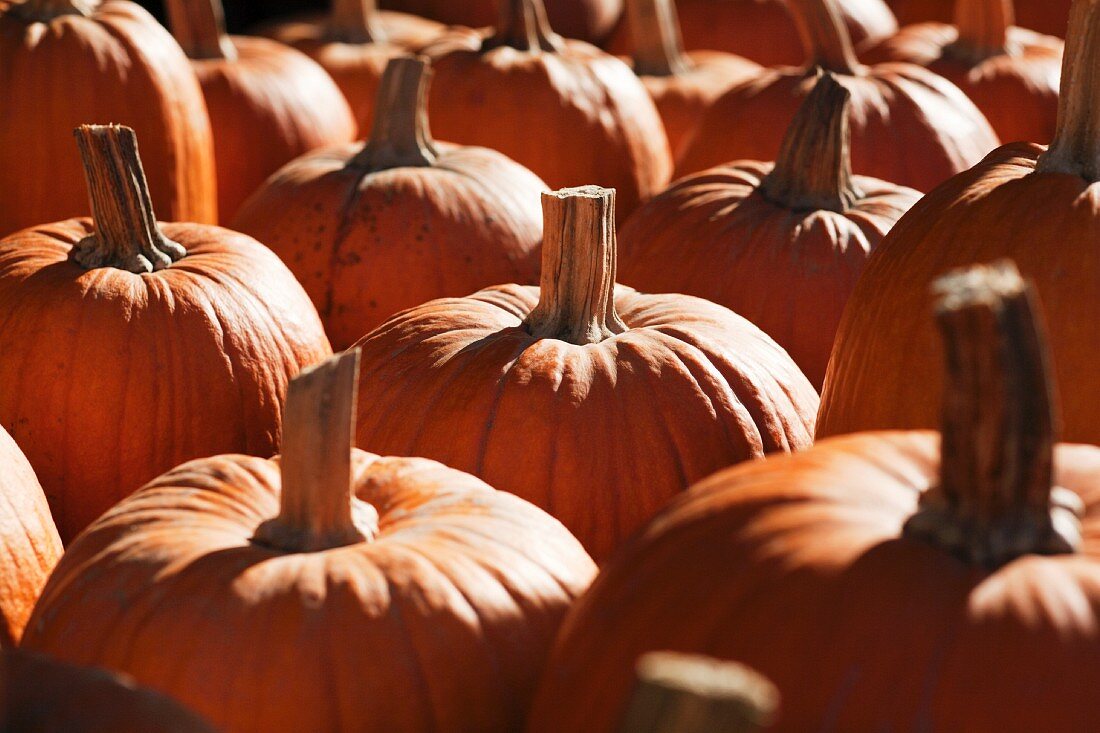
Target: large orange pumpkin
{"type": "Point", "coordinates": [40, 695]}
{"type": "Point", "coordinates": [67, 62]}
{"type": "Point", "coordinates": [586, 20]}
{"type": "Point", "coordinates": [29, 544]}
{"type": "Point", "coordinates": [884, 581]}
{"type": "Point", "coordinates": [326, 590]}
{"type": "Point", "coordinates": [1039, 207]}
{"type": "Point", "coordinates": [129, 346]}
{"type": "Point", "coordinates": [566, 110]}
{"type": "Point", "coordinates": [909, 126]}
{"type": "Point", "coordinates": [1042, 16]}
{"type": "Point", "coordinates": [268, 103]}
{"type": "Point", "coordinates": [781, 245]}
{"type": "Point", "coordinates": [595, 402]}
{"type": "Point", "coordinates": [1010, 73]}
{"type": "Point", "coordinates": [371, 230]}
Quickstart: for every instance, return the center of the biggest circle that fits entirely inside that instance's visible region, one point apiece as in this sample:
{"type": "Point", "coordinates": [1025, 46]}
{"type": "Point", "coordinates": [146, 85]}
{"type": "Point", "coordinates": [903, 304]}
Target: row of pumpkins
{"type": "Point", "coordinates": [889, 580]}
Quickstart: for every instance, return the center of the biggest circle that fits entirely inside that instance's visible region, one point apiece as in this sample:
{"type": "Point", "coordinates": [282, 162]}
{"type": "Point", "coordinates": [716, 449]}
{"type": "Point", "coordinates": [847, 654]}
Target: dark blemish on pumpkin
{"type": "Point", "coordinates": [373, 303]}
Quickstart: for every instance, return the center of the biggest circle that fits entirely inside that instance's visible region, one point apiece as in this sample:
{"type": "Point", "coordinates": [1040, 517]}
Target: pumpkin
{"type": "Point", "coordinates": [353, 43]}
{"type": "Point", "coordinates": [909, 126]}
{"type": "Point", "coordinates": [29, 544]}
{"type": "Point", "coordinates": [130, 346]}
{"type": "Point", "coordinates": [1010, 73]}
{"type": "Point", "coordinates": [682, 85]}
{"type": "Point", "coordinates": [268, 103]}
{"type": "Point", "coordinates": [781, 244]}
{"type": "Point", "coordinates": [350, 591]}
{"type": "Point", "coordinates": [593, 401]}
{"type": "Point", "coordinates": [372, 230]}
{"type": "Point", "coordinates": [586, 20]}
{"type": "Point", "coordinates": [761, 30]}
{"type": "Point", "coordinates": [1036, 206]}
{"type": "Point", "coordinates": [882, 581]}
{"type": "Point", "coordinates": [569, 112]}
{"type": "Point", "coordinates": [66, 62]}
{"type": "Point", "coordinates": [38, 694]}
{"type": "Point", "coordinates": [1042, 16]}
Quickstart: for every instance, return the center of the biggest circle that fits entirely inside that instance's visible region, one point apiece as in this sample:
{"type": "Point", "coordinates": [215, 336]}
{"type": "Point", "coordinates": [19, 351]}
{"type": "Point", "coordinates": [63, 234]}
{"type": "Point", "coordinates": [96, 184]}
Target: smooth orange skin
{"type": "Point", "coordinates": [117, 66]}
{"type": "Point", "coordinates": [760, 30]}
{"type": "Point", "coordinates": [1049, 224]}
{"type": "Point", "coordinates": [268, 106]}
{"type": "Point", "coordinates": [796, 567]}
{"type": "Point", "coordinates": [601, 436]}
{"type": "Point", "coordinates": [1044, 16]}
{"type": "Point", "coordinates": [366, 246]}
{"type": "Point", "coordinates": [111, 378]}
{"type": "Point", "coordinates": [40, 695]}
{"type": "Point", "coordinates": [576, 118]}
{"type": "Point", "coordinates": [714, 235]}
{"type": "Point", "coordinates": [908, 125]}
{"type": "Point", "coordinates": [586, 20]}
{"type": "Point", "coordinates": [1016, 91]}
{"type": "Point", "coordinates": [440, 623]}
{"type": "Point", "coordinates": [29, 544]}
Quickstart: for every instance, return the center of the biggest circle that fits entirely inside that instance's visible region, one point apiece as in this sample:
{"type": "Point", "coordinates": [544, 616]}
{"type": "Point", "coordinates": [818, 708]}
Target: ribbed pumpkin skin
{"type": "Point", "coordinates": [441, 623]}
{"type": "Point", "coordinates": [121, 66]}
{"type": "Point", "coordinates": [715, 236]}
{"type": "Point", "coordinates": [909, 126]}
{"type": "Point", "coordinates": [40, 695]}
{"type": "Point", "coordinates": [795, 567]}
{"type": "Point", "coordinates": [29, 544]}
{"type": "Point", "coordinates": [1043, 16]}
{"type": "Point", "coordinates": [587, 20]}
{"type": "Point", "coordinates": [1048, 223]}
{"type": "Point", "coordinates": [1017, 92]}
{"type": "Point", "coordinates": [601, 436]}
{"type": "Point", "coordinates": [111, 378]}
{"type": "Point", "coordinates": [577, 117]}
{"type": "Point", "coordinates": [366, 246]}
{"type": "Point", "coordinates": [268, 106]}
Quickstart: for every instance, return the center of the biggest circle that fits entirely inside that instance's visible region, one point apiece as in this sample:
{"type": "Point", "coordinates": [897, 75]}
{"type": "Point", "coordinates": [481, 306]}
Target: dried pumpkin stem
{"type": "Point", "coordinates": [678, 693]}
{"type": "Point", "coordinates": [1076, 146]}
{"type": "Point", "coordinates": [317, 499]}
{"type": "Point", "coordinates": [658, 45]}
{"type": "Point", "coordinates": [814, 168]}
{"type": "Point", "coordinates": [824, 36]}
{"type": "Point", "coordinates": [577, 298]}
{"type": "Point", "coordinates": [199, 27]}
{"type": "Point", "coordinates": [42, 11]}
{"type": "Point", "coordinates": [523, 25]}
{"type": "Point", "coordinates": [995, 500]}
{"type": "Point", "coordinates": [983, 29]}
{"type": "Point", "coordinates": [401, 137]}
{"type": "Point", "coordinates": [126, 233]}
{"type": "Point", "coordinates": [355, 21]}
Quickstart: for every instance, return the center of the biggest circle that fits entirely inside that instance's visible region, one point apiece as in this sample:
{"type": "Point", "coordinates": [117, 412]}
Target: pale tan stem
{"type": "Point", "coordinates": [199, 27]}
{"type": "Point", "coordinates": [658, 45]}
{"type": "Point", "coordinates": [523, 25]}
{"type": "Point", "coordinates": [43, 11]}
{"type": "Point", "coordinates": [983, 29]}
{"type": "Point", "coordinates": [355, 21]}
{"type": "Point", "coordinates": [401, 137]}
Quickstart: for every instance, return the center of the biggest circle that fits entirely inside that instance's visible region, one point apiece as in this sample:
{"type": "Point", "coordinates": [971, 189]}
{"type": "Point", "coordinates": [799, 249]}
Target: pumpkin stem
{"type": "Point", "coordinates": [814, 168]}
{"type": "Point", "coordinates": [577, 298]}
{"type": "Point", "coordinates": [824, 36]}
{"type": "Point", "coordinates": [680, 693]}
{"type": "Point", "coordinates": [1076, 146]}
{"type": "Point", "coordinates": [658, 45]}
{"type": "Point", "coordinates": [126, 233]}
{"type": "Point", "coordinates": [355, 21]}
{"type": "Point", "coordinates": [400, 137]}
{"type": "Point", "coordinates": [43, 11]}
{"type": "Point", "coordinates": [317, 505]}
{"type": "Point", "coordinates": [199, 27]}
{"type": "Point", "coordinates": [983, 29]}
{"type": "Point", "coordinates": [995, 500]}
{"type": "Point", "coordinates": [523, 25]}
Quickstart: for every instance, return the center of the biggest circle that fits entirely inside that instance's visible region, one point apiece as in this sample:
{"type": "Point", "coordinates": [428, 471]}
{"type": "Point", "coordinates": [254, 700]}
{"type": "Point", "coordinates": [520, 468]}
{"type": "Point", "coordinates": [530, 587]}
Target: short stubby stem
{"type": "Point", "coordinates": [658, 45]}
{"type": "Point", "coordinates": [824, 36]}
{"type": "Point", "coordinates": [356, 22]}
{"type": "Point", "coordinates": [523, 26]}
{"type": "Point", "coordinates": [983, 29]}
{"type": "Point", "coordinates": [401, 137]}
{"type": "Point", "coordinates": [199, 27]}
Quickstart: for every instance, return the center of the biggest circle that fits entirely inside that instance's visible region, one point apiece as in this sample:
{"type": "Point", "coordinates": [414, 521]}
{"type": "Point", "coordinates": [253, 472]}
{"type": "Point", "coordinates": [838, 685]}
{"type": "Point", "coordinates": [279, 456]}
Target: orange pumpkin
{"type": "Point", "coordinates": [587, 20]}
{"type": "Point", "coordinates": [129, 346]}
{"type": "Point", "coordinates": [781, 245]}
{"type": "Point", "coordinates": [909, 126]}
{"type": "Point", "coordinates": [569, 112]}
{"type": "Point", "coordinates": [268, 103]}
{"type": "Point", "coordinates": [884, 581]}
{"type": "Point", "coordinates": [1042, 16]}
{"type": "Point", "coordinates": [371, 230]}
{"type": "Point", "coordinates": [67, 62]}
{"type": "Point", "coordinates": [1010, 73]}
{"type": "Point", "coordinates": [354, 43]}
{"type": "Point", "coordinates": [595, 402]}
{"type": "Point", "coordinates": [1036, 206]}
{"type": "Point", "coordinates": [39, 695]}
{"type": "Point", "coordinates": [329, 589]}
